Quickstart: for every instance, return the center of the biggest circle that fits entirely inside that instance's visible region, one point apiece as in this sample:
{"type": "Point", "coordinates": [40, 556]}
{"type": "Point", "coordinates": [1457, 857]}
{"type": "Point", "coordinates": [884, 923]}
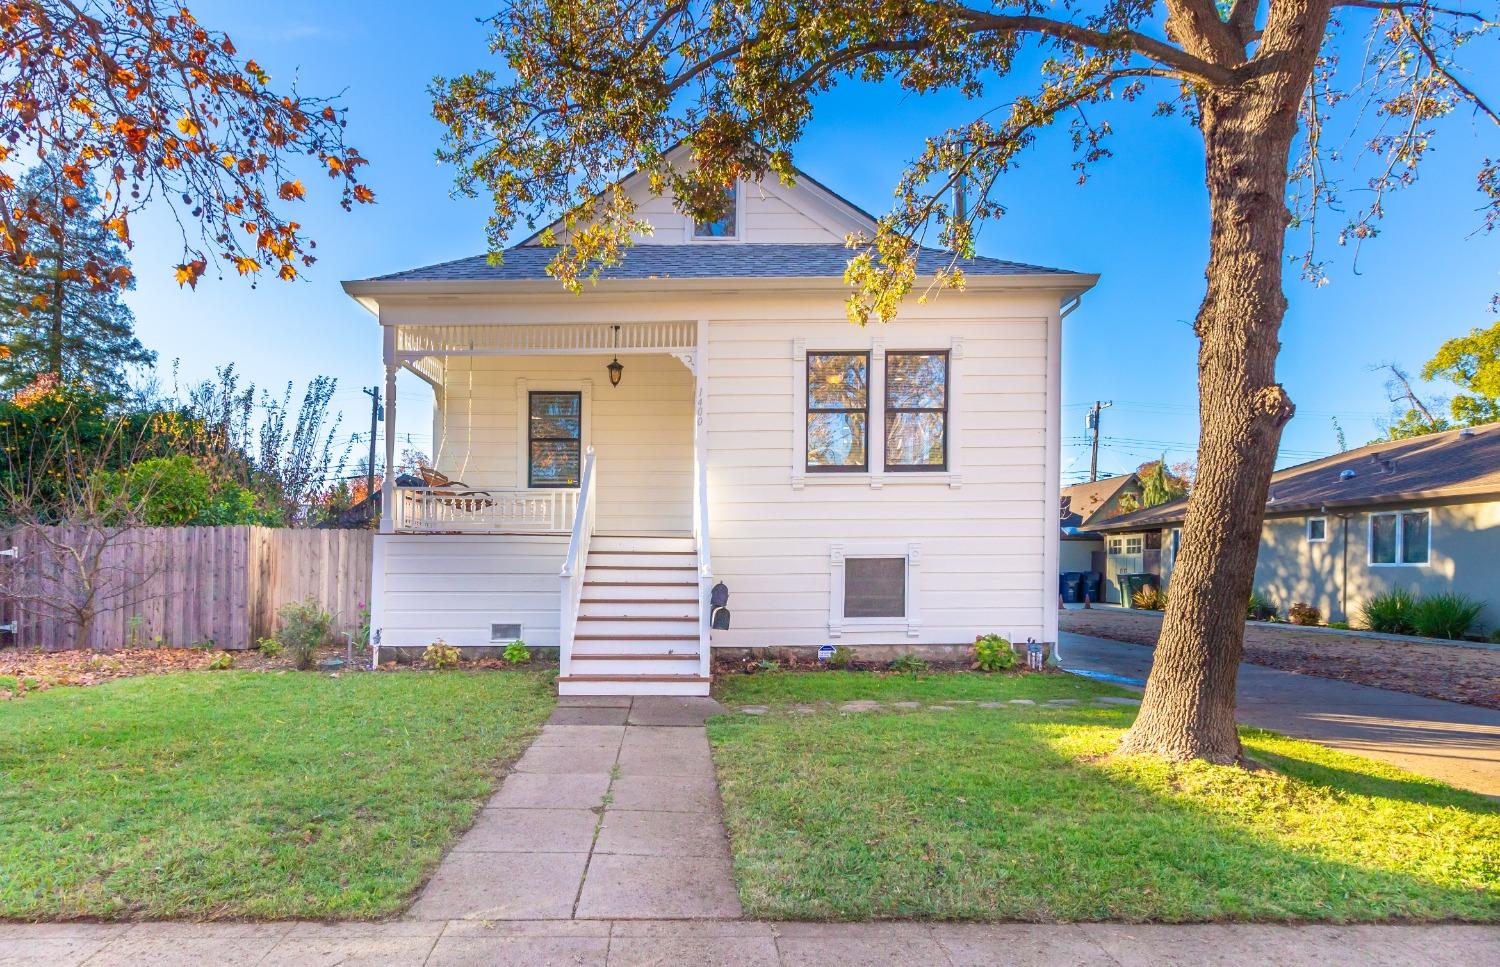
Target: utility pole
{"type": "Point", "coordinates": [373, 392]}
{"type": "Point", "coordinates": [1093, 426]}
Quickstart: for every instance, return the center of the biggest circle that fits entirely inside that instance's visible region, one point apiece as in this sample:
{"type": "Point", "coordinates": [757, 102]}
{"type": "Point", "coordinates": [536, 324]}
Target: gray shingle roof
{"type": "Point", "coordinates": [704, 260]}
{"type": "Point", "coordinates": [1439, 466]}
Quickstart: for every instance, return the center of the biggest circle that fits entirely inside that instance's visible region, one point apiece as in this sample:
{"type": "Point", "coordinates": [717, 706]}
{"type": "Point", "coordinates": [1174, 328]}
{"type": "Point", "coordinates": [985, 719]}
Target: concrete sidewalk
{"type": "Point", "coordinates": [612, 812]}
{"type": "Point", "coordinates": [638, 943]}
{"type": "Point", "coordinates": [1457, 744]}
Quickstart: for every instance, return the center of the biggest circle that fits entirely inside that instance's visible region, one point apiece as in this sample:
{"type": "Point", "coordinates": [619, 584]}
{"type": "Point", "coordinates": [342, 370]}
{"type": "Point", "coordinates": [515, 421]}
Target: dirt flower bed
{"type": "Point", "coordinates": [1455, 674]}
{"type": "Point", "coordinates": [23, 671]}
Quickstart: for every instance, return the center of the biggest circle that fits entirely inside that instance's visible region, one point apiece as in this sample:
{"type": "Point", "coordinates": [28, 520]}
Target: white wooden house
{"type": "Point", "coordinates": [892, 484]}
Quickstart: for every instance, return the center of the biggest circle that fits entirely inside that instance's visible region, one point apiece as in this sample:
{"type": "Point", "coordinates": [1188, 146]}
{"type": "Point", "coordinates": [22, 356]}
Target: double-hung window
{"type": "Point", "coordinates": [916, 411]}
{"type": "Point", "coordinates": [838, 412]}
{"type": "Point", "coordinates": [554, 439]}
{"type": "Point", "coordinates": [1402, 537]}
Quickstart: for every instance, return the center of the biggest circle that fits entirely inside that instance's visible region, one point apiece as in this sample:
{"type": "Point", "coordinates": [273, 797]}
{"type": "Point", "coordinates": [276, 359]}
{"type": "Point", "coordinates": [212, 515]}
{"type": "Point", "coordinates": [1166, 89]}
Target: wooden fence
{"type": "Point", "coordinates": [176, 585]}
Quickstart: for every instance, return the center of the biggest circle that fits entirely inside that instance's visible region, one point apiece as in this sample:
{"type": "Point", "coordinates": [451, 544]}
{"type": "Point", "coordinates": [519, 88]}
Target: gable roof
{"type": "Point", "coordinates": [703, 260]}
{"type": "Point", "coordinates": [1447, 466]}
{"type": "Point", "coordinates": [1079, 503]}
{"type": "Point", "coordinates": [856, 215]}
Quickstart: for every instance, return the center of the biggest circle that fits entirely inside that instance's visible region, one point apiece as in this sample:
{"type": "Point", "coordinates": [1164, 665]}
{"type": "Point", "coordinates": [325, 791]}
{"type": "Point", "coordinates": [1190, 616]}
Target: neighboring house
{"type": "Point", "coordinates": [892, 484]}
{"type": "Point", "coordinates": [1422, 514]}
{"type": "Point", "coordinates": [1083, 505]}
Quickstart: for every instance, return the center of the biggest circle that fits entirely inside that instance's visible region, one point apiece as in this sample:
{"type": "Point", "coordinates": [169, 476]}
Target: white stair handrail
{"type": "Point", "coordinates": [705, 567]}
{"type": "Point", "coordinates": [576, 564]}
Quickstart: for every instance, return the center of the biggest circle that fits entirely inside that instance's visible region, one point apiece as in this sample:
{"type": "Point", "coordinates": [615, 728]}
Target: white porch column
{"type": "Point", "coordinates": [388, 483]}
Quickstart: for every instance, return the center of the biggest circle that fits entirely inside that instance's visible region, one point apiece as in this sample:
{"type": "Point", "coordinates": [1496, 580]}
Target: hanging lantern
{"type": "Point", "coordinates": [616, 369]}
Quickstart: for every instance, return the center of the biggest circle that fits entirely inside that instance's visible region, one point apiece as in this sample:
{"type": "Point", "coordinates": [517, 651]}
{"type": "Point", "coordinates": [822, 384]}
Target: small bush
{"type": "Point", "coordinates": [1302, 613]}
{"type": "Point", "coordinates": [909, 664]}
{"type": "Point", "coordinates": [222, 662]}
{"type": "Point", "coordinates": [766, 666]}
{"type": "Point", "coordinates": [441, 655]}
{"type": "Point", "coordinates": [1446, 615]}
{"type": "Point", "coordinates": [269, 647]}
{"type": "Point", "coordinates": [304, 628]}
{"type": "Point", "coordinates": [517, 653]}
{"type": "Point", "coordinates": [993, 653]}
{"type": "Point", "coordinates": [1149, 599]}
{"type": "Point", "coordinates": [1390, 612]}
{"type": "Point", "coordinates": [842, 657]}
{"type": "Point", "coordinates": [1259, 608]}
{"type": "Point", "coordinates": [1340, 625]}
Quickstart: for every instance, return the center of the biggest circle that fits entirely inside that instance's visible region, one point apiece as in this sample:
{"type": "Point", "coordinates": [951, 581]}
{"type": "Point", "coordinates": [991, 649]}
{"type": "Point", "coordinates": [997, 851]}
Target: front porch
{"type": "Point", "coordinates": [546, 436]}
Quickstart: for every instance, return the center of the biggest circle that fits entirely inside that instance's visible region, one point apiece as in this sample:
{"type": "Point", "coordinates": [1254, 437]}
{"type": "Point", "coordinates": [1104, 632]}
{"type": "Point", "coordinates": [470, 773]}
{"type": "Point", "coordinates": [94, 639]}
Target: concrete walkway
{"type": "Point", "coordinates": [586, 943]}
{"type": "Point", "coordinates": [612, 812]}
{"type": "Point", "coordinates": [1458, 744]}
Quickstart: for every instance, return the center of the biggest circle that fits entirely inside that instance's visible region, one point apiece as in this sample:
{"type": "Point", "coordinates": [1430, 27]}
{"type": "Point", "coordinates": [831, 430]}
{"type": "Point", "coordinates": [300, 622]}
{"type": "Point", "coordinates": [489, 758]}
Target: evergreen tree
{"type": "Point", "coordinates": [52, 319]}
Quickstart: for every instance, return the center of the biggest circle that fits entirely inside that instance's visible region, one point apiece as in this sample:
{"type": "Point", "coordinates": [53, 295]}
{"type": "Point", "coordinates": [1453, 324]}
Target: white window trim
{"type": "Point", "coordinates": [1307, 531]}
{"type": "Point", "coordinates": [877, 476]}
{"type": "Point", "coordinates": [1400, 538]}
{"type": "Point", "coordinates": [524, 388]}
{"type": "Point", "coordinates": [691, 234]}
{"type": "Point", "coordinates": [911, 624]}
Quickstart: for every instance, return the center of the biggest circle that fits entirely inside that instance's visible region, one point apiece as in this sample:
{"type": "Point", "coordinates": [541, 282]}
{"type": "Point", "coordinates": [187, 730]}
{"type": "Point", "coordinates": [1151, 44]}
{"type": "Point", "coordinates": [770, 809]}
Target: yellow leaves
{"type": "Point", "coordinates": [335, 166]}
{"type": "Point", "coordinates": [288, 273]}
{"type": "Point", "coordinates": [70, 204]}
{"type": "Point", "coordinates": [364, 195]}
{"type": "Point", "coordinates": [246, 265]}
{"type": "Point", "coordinates": [188, 273]}
{"type": "Point", "coordinates": [292, 190]}
{"type": "Point", "coordinates": [254, 70]}
{"type": "Point", "coordinates": [73, 173]}
{"type": "Point", "coordinates": [188, 126]}
{"type": "Point", "coordinates": [120, 227]}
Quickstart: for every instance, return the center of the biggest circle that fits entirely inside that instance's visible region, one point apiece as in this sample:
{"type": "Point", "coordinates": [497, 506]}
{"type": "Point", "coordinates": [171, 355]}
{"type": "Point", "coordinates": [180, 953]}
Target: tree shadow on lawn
{"type": "Point", "coordinates": [1022, 815]}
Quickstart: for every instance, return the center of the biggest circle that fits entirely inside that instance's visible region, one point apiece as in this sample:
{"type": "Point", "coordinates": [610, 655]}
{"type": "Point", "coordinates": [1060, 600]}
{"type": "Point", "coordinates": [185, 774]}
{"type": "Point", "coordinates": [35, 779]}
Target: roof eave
{"type": "Point", "coordinates": [368, 291]}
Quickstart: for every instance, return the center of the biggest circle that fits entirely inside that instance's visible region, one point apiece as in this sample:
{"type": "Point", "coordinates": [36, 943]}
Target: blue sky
{"type": "Point", "coordinates": [1140, 221]}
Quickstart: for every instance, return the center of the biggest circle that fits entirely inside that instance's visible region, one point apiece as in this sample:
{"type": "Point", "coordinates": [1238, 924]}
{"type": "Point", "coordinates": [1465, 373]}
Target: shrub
{"type": "Point", "coordinates": [909, 663]}
{"type": "Point", "coordinates": [993, 653]}
{"type": "Point", "coordinates": [1259, 608]}
{"type": "Point", "coordinates": [269, 647]}
{"type": "Point", "coordinates": [1390, 612]}
{"type": "Point", "coordinates": [767, 666]}
{"type": "Point", "coordinates": [304, 627]}
{"type": "Point", "coordinates": [1149, 599]}
{"type": "Point", "coordinates": [1302, 613]}
{"type": "Point", "coordinates": [223, 661]}
{"type": "Point", "coordinates": [517, 653]}
{"type": "Point", "coordinates": [441, 655]}
{"type": "Point", "coordinates": [842, 657]}
{"type": "Point", "coordinates": [1446, 615]}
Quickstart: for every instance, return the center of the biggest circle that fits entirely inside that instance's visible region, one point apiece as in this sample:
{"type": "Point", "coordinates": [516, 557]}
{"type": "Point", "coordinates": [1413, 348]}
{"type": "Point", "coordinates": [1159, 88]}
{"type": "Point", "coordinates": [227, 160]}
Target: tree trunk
{"type": "Point", "coordinates": [1188, 709]}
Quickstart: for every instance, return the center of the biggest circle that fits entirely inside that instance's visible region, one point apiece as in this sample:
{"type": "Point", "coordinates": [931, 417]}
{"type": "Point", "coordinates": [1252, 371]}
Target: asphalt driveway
{"type": "Point", "coordinates": [1458, 744]}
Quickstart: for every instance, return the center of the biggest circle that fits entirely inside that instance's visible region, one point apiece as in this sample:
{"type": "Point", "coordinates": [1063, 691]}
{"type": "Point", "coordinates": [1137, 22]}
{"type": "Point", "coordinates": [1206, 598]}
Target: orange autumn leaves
{"type": "Point", "coordinates": [154, 107]}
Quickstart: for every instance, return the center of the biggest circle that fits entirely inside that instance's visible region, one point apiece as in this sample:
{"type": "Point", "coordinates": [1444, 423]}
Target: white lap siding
{"type": "Point", "coordinates": [981, 546]}
{"type": "Point", "coordinates": [454, 587]}
{"type": "Point", "coordinates": [641, 430]}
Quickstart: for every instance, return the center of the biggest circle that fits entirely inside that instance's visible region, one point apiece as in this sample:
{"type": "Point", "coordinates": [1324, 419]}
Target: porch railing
{"type": "Point", "coordinates": [705, 567]}
{"type": "Point", "coordinates": [576, 563]}
{"type": "Point", "coordinates": [449, 510]}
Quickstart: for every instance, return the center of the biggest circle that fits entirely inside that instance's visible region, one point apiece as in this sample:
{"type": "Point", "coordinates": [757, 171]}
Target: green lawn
{"type": "Point", "coordinates": [1019, 813]}
{"type": "Point", "coordinates": [243, 794]}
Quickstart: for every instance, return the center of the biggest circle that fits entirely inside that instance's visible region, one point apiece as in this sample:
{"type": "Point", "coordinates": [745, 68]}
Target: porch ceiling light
{"type": "Point", "coordinates": [616, 369]}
